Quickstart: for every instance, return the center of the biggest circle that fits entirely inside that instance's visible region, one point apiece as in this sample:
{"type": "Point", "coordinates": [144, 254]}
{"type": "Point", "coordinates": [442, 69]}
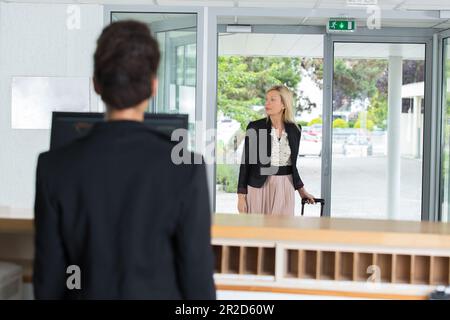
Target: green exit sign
{"type": "Point", "coordinates": [341, 25]}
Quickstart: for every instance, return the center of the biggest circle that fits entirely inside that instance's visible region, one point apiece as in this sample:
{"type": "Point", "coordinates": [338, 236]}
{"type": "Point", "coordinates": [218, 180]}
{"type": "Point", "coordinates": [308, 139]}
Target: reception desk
{"type": "Point", "coordinates": [331, 257]}
{"type": "Point", "coordinates": [307, 256]}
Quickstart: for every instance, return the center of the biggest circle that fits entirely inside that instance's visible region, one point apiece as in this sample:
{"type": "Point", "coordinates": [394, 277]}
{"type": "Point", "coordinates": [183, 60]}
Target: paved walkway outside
{"type": "Point", "coordinates": [358, 188]}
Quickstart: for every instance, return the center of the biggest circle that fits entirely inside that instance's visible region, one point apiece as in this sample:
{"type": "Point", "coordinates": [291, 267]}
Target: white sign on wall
{"type": "Point", "coordinates": [34, 98]}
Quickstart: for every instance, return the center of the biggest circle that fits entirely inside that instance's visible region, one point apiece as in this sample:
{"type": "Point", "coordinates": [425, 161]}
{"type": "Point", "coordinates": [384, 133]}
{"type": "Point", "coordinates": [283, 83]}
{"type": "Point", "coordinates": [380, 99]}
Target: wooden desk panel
{"type": "Point", "coordinates": [300, 250]}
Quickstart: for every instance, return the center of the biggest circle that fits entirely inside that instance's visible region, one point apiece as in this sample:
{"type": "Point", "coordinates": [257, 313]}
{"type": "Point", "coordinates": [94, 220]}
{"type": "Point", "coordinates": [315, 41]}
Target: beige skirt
{"type": "Point", "coordinates": [275, 197]}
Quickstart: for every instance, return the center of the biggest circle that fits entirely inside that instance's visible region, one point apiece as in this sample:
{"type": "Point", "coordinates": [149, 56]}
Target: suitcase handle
{"type": "Point", "coordinates": [320, 200]}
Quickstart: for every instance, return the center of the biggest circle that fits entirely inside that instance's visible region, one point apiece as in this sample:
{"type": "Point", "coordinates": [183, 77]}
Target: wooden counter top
{"type": "Point", "coordinates": [333, 230]}
{"type": "Point", "coordinates": [16, 226]}
{"type": "Point", "coordinates": [323, 230]}
{"type": "Point", "coordinates": [15, 221]}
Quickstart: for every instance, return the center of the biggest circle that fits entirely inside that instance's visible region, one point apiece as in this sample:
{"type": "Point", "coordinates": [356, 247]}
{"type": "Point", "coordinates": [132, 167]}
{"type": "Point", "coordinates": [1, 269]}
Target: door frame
{"type": "Point", "coordinates": [174, 24]}
{"type": "Point", "coordinates": [386, 35]}
{"type": "Point", "coordinates": [212, 15]}
{"type": "Point", "coordinates": [258, 29]}
{"type": "Point", "coordinates": [438, 79]}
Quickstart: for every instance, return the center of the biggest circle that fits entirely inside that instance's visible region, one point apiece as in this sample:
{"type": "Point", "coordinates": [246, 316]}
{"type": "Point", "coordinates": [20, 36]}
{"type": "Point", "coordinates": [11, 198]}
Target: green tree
{"type": "Point", "coordinates": [242, 83]}
{"type": "Point", "coordinates": [369, 122]}
{"type": "Point", "coordinates": [302, 123]}
{"type": "Point", "coordinates": [378, 110]}
{"type": "Point", "coordinates": [340, 123]}
{"type": "Point", "coordinates": [315, 121]}
{"type": "Point", "coordinates": [357, 79]}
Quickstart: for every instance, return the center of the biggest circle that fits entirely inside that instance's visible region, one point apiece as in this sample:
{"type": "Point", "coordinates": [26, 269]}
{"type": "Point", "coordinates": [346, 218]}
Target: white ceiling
{"type": "Point", "coordinates": [286, 45]}
{"type": "Point", "coordinates": [323, 21]}
{"type": "Point", "coordinates": [328, 4]}
{"type": "Point", "coordinates": [294, 45]}
{"type": "Point", "coordinates": [340, 7]}
{"type": "Point", "coordinates": [148, 17]}
{"type": "Point", "coordinates": [379, 50]}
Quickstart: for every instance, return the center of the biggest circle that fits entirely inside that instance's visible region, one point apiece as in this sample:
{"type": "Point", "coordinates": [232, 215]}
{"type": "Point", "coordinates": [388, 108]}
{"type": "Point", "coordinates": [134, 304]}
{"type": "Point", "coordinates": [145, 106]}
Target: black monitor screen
{"type": "Point", "coordinates": [69, 126]}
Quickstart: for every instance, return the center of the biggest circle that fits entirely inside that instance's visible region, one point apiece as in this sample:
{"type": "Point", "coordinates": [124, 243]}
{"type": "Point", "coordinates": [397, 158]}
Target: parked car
{"type": "Point", "coordinates": [310, 145]}
{"type": "Point", "coordinates": [315, 130]}
{"type": "Point", "coordinates": [358, 145]}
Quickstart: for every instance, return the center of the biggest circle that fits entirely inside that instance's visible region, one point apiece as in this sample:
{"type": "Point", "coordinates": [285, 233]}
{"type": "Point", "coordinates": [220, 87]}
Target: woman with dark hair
{"type": "Point", "coordinates": [108, 204]}
{"type": "Point", "coordinates": [125, 69]}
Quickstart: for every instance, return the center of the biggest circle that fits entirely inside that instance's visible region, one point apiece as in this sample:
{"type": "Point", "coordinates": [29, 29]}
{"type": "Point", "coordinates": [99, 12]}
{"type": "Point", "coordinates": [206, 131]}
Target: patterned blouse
{"type": "Point", "coordinates": [281, 152]}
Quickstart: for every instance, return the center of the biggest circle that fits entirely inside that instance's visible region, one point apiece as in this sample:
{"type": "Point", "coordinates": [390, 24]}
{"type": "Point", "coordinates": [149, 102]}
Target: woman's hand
{"type": "Point", "coordinates": [242, 203]}
{"type": "Point", "coordinates": [305, 195]}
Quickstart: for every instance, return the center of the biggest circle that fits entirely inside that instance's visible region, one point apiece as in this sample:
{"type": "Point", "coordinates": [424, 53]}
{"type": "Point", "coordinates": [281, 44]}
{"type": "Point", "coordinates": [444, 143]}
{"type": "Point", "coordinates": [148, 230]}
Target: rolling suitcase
{"type": "Point", "coordinates": [322, 203]}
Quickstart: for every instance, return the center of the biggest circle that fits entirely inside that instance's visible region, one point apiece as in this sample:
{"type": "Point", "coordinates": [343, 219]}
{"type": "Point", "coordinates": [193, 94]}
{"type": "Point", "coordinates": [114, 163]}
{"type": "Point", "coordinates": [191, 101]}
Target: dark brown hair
{"type": "Point", "coordinates": [125, 62]}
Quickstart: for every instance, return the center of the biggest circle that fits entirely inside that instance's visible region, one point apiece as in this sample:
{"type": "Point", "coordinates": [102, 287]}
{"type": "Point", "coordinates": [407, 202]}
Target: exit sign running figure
{"type": "Point", "coordinates": [341, 25]}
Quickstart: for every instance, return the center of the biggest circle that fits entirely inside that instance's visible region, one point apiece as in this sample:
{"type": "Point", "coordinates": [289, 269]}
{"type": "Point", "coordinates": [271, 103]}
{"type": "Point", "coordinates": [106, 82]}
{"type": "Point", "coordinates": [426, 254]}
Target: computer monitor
{"type": "Point", "coordinates": [69, 126]}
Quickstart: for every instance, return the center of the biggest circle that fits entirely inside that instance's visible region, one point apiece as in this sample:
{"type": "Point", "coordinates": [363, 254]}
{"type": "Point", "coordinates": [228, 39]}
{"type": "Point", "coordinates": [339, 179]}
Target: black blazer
{"type": "Point", "coordinates": [137, 225]}
{"type": "Point", "coordinates": [250, 172]}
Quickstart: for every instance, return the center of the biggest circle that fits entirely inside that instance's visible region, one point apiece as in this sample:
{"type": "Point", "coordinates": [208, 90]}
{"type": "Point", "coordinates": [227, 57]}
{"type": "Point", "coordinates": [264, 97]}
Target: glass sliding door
{"type": "Point", "coordinates": [445, 152]}
{"type": "Point", "coordinates": [248, 65]}
{"type": "Point", "coordinates": [377, 130]}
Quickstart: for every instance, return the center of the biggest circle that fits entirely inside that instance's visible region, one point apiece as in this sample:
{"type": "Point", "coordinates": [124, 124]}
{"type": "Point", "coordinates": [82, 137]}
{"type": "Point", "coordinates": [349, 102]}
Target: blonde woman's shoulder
{"type": "Point", "coordinates": [257, 123]}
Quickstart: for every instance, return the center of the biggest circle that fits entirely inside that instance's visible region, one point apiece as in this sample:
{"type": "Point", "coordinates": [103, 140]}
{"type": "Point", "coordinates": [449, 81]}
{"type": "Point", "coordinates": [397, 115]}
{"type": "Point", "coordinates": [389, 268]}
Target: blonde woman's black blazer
{"type": "Point", "coordinates": [250, 174]}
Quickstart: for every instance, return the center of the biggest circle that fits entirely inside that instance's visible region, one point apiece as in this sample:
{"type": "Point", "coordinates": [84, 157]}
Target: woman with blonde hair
{"type": "Point", "coordinates": [268, 174]}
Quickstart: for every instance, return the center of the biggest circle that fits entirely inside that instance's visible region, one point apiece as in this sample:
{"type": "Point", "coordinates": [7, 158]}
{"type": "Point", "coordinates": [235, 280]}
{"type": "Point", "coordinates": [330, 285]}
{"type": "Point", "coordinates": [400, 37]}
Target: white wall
{"type": "Point", "coordinates": [35, 41]}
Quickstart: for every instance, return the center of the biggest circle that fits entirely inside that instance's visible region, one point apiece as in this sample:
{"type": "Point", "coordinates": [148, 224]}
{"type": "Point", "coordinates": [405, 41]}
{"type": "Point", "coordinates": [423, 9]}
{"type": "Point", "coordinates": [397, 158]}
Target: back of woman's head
{"type": "Point", "coordinates": [125, 62]}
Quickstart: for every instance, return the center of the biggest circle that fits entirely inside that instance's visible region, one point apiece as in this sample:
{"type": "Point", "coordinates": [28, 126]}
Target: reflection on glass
{"type": "Point", "coordinates": [445, 184]}
{"type": "Point", "coordinates": [177, 73]}
{"type": "Point", "coordinates": [248, 65]}
{"type": "Point", "coordinates": [370, 179]}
